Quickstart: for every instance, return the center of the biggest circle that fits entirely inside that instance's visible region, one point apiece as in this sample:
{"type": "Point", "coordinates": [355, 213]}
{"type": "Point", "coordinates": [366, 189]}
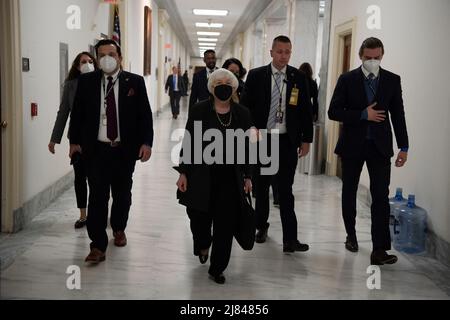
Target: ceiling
{"type": "Point", "coordinates": [241, 14]}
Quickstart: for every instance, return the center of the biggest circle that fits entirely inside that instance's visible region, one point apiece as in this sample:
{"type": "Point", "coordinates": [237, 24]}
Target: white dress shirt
{"type": "Point", "coordinates": [102, 129]}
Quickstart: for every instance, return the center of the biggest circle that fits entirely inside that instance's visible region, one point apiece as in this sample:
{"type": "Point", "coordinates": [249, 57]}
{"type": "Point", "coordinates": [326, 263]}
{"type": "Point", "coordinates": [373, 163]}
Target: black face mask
{"type": "Point", "coordinates": [223, 92]}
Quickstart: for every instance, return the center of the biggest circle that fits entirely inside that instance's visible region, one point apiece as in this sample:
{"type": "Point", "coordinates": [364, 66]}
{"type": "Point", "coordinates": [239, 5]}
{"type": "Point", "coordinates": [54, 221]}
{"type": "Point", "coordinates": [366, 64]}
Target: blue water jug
{"type": "Point", "coordinates": [395, 203]}
{"type": "Point", "coordinates": [412, 228]}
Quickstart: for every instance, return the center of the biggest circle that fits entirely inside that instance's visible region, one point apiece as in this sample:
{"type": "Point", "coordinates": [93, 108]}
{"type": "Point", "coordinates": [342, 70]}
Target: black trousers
{"type": "Point", "coordinates": [288, 158]}
{"type": "Point", "coordinates": [81, 191]}
{"type": "Point", "coordinates": [379, 168]}
{"type": "Point", "coordinates": [224, 208]}
{"type": "Point", "coordinates": [110, 169]}
{"type": "Point", "coordinates": [175, 98]}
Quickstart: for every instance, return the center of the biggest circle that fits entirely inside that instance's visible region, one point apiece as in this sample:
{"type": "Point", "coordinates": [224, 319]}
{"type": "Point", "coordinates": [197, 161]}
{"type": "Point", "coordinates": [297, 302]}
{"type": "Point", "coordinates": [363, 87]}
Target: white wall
{"type": "Point", "coordinates": [43, 27]}
{"type": "Point", "coordinates": [415, 35]}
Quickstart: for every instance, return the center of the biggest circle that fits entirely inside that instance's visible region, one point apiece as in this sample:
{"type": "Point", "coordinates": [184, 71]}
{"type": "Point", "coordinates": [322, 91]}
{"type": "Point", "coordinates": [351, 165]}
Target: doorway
{"type": "Point", "coordinates": [342, 59]}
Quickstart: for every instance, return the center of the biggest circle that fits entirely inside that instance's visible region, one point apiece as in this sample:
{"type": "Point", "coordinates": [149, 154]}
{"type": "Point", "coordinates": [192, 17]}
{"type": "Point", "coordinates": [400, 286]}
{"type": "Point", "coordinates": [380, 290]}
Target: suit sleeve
{"type": "Point", "coordinates": [194, 92]}
{"type": "Point", "coordinates": [397, 112]}
{"type": "Point", "coordinates": [306, 121]}
{"type": "Point", "coordinates": [145, 119]}
{"type": "Point", "coordinates": [167, 83]}
{"type": "Point", "coordinates": [77, 113]}
{"type": "Point", "coordinates": [338, 110]}
{"type": "Point", "coordinates": [63, 113]}
{"type": "Point", "coordinates": [188, 143]}
{"type": "Point", "coordinates": [247, 96]}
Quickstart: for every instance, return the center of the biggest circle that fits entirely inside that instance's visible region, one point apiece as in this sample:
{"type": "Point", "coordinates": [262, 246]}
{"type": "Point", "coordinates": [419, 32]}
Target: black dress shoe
{"type": "Point", "coordinates": [80, 223]}
{"type": "Point", "coordinates": [220, 279]}
{"type": "Point", "coordinates": [261, 235]}
{"type": "Point", "coordinates": [293, 246]}
{"type": "Point", "coordinates": [351, 245]}
{"type": "Point", "coordinates": [380, 257]}
{"type": "Point", "coordinates": [203, 258]}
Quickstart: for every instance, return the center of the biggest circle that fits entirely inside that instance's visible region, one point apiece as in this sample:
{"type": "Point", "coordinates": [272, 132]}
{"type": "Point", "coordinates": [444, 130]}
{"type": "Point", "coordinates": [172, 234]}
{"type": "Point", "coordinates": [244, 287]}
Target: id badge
{"type": "Point", "coordinates": [104, 120]}
{"type": "Point", "coordinates": [294, 96]}
{"type": "Point", "coordinates": [279, 117]}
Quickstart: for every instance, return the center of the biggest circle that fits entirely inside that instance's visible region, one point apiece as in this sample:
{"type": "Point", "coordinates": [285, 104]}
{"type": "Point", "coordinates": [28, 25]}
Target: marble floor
{"type": "Point", "coordinates": [158, 263]}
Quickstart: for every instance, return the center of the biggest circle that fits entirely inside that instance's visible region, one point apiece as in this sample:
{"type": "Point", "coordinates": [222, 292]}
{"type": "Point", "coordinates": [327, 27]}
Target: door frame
{"type": "Point", "coordinates": [340, 32]}
{"type": "Point", "coordinates": [12, 106]}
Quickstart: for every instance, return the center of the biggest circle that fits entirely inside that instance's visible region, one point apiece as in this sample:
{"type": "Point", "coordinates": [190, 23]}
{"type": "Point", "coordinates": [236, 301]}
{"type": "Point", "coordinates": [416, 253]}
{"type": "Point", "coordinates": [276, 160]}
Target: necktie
{"type": "Point", "coordinates": [372, 88]}
{"type": "Point", "coordinates": [111, 116]}
{"type": "Point", "coordinates": [275, 101]}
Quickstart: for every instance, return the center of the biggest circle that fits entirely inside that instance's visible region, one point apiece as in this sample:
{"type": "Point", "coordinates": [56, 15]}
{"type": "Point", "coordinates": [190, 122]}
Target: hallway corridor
{"type": "Point", "coordinates": [158, 263]}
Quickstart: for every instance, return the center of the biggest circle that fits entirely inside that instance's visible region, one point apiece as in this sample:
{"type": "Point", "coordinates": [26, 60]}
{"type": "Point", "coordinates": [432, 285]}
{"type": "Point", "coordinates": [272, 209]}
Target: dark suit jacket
{"type": "Point", "coordinates": [257, 97]}
{"type": "Point", "coordinates": [199, 89]}
{"type": "Point", "coordinates": [198, 190]}
{"type": "Point", "coordinates": [169, 85]}
{"type": "Point", "coordinates": [70, 88]}
{"type": "Point", "coordinates": [135, 114]}
{"type": "Point", "coordinates": [348, 102]}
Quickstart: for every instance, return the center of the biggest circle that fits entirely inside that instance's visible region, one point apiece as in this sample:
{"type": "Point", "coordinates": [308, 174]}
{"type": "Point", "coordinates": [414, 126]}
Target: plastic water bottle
{"type": "Point", "coordinates": [412, 227]}
{"type": "Point", "coordinates": [395, 203]}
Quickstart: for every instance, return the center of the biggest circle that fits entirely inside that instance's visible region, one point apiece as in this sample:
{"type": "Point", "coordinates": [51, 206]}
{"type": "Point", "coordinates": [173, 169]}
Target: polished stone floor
{"type": "Point", "coordinates": [158, 263]}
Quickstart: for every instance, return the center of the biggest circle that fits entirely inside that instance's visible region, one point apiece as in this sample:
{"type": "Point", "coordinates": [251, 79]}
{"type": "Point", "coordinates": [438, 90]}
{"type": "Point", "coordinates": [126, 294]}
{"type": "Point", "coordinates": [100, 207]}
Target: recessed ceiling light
{"type": "Point", "coordinates": [208, 25]}
{"type": "Point", "coordinates": [206, 44]}
{"type": "Point", "coordinates": [207, 48]}
{"type": "Point", "coordinates": [208, 33]}
{"type": "Point", "coordinates": [208, 39]}
{"type": "Point", "coordinates": [202, 12]}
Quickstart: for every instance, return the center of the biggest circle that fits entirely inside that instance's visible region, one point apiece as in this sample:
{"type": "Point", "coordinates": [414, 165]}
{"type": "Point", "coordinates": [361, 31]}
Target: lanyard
{"type": "Point", "coordinates": [106, 94]}
{"type": "Point", "coordinates": [279, 91]}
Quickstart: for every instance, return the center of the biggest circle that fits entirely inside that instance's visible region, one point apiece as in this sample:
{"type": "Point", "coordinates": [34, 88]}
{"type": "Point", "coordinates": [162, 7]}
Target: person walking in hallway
{"type": "Point", "coordinates": [363, 100]}
{"type": "Point", "coordinates": [278, 99]}
{"type": "Point", "coordinates": [83, 63]}
{"type": "Point", "coordinates": [199, 89]}
{"type": "Point", "coordinates": [235, 66]}
{"type": "Point", "coordinates": [186, 83]}
{"type": "Point", "coordinates": [112, 126]}
{"type": "Point", "coordinates": [175, 86]}
{"type": "Point", "coordinates": [313, 89]}
{"type": "Point", "coordinates": [214, 194]}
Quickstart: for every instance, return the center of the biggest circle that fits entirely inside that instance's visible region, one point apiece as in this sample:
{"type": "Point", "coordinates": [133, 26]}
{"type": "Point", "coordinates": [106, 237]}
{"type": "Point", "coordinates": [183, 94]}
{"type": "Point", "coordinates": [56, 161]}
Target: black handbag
{"type": "Point", "coordinates": [246, 225]}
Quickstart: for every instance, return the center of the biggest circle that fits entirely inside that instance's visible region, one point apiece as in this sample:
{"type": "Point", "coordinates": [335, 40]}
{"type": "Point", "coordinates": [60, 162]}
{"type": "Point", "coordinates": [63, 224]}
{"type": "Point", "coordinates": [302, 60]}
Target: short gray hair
{"type": "Point", "coordinates": [222, 74]}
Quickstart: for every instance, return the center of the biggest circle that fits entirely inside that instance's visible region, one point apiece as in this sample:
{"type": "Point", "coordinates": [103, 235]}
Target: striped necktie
{"type": "Point", "coordinates": [275, 101]}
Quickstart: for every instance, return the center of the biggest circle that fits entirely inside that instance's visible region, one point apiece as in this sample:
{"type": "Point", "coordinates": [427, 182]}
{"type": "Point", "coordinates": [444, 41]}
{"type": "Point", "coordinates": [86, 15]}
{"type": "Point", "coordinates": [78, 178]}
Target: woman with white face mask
{"type": "Point", "coordinates": [83, 63]}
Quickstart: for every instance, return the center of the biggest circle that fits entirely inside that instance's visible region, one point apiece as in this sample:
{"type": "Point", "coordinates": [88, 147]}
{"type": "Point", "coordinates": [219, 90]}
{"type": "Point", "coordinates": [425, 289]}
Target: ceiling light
{"type": "Point", "coordinates": [207, 44]}
{"type": "Point", "coordinates": [208, 39]}
{"type": "Point", "coordinates": [208, 25]}
{"type": "Point", "coordinates": [207, 33]}
{"type": "Point", "coordinates": [207, 48]}
{"type": "Point", "coordinates": [201, 12]}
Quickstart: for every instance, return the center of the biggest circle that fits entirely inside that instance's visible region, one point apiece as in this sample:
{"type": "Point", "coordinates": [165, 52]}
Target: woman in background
{"type": "Point", "coordinates": [235, 66]}
{"type": "Point", "coordinates": [313, 90]}
{"type": "Point", "coordinates": [83, 63]}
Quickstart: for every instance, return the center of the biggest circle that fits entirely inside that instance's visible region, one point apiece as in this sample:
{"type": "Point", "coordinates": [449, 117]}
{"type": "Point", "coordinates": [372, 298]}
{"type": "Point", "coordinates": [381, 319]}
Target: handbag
{"type": "Point", "coordinates": [246, 225]}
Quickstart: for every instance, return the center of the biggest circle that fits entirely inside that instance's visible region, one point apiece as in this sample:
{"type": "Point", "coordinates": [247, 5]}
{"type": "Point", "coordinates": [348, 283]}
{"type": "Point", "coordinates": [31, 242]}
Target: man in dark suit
{"type": "Point", "coordinates": [278, 98]}
{"type": "Point", "coordinates": [111, 124]}
{"type": "Point", "coordinates": [199, 89]}
{"type": "Point", "coordinates": [175, 85]}
{"type": "Point", "coordinates": [362, 100]}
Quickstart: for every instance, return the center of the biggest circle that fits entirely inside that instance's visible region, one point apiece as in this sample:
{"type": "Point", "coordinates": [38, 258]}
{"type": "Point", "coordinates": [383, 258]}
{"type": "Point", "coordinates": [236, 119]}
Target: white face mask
{"type": "Point", "coordinates": [108, 64]}
{"type": "Point", "coordinates": [87, 67]}
{"type": "Point", "coordinates": [372, 65]}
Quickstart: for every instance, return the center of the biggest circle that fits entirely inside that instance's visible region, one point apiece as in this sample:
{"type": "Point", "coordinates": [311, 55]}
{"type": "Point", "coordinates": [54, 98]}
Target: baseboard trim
{"type": "Point", "coordinates": [30, 209]}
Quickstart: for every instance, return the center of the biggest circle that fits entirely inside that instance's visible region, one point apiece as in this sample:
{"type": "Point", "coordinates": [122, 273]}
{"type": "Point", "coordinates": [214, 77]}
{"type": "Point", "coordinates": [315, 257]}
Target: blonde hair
{"type": "Point", "coordinates": [222, 74]}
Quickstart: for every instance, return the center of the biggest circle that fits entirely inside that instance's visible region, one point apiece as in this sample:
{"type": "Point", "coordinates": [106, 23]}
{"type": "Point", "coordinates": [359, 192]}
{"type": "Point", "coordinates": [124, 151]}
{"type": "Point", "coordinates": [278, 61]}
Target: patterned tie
{"type": "Point", "coordinates": [111, 116]}
{"type": "Point", "coordinates": [372, 90]}
{"type": "Point", "coordinates": [275, 101]}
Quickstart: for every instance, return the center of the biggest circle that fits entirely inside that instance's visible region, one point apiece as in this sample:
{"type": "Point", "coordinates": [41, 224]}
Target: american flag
{"type": "Point", "coordinates": [116, 31]}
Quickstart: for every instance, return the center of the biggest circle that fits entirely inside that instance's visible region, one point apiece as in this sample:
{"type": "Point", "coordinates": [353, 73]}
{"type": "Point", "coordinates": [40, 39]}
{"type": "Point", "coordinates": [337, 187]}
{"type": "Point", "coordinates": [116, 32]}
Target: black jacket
{"type": "Point", "coordinates": [350, 99]}
{"type": "Point", "coordinates": [181, 85]}
{"type": "Point", "coordinates": [135, 114]}
{"type": "Point", "coordinates": [257, 97]}
{"type": "Point", "coordinates": [197, 195]}
{"type": "Point", "coordinates": [199, 89]}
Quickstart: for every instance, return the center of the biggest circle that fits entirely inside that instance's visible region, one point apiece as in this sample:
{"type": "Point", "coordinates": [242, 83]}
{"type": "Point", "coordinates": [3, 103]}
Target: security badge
{"type": "Point", "coordinates": [295, 92]}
